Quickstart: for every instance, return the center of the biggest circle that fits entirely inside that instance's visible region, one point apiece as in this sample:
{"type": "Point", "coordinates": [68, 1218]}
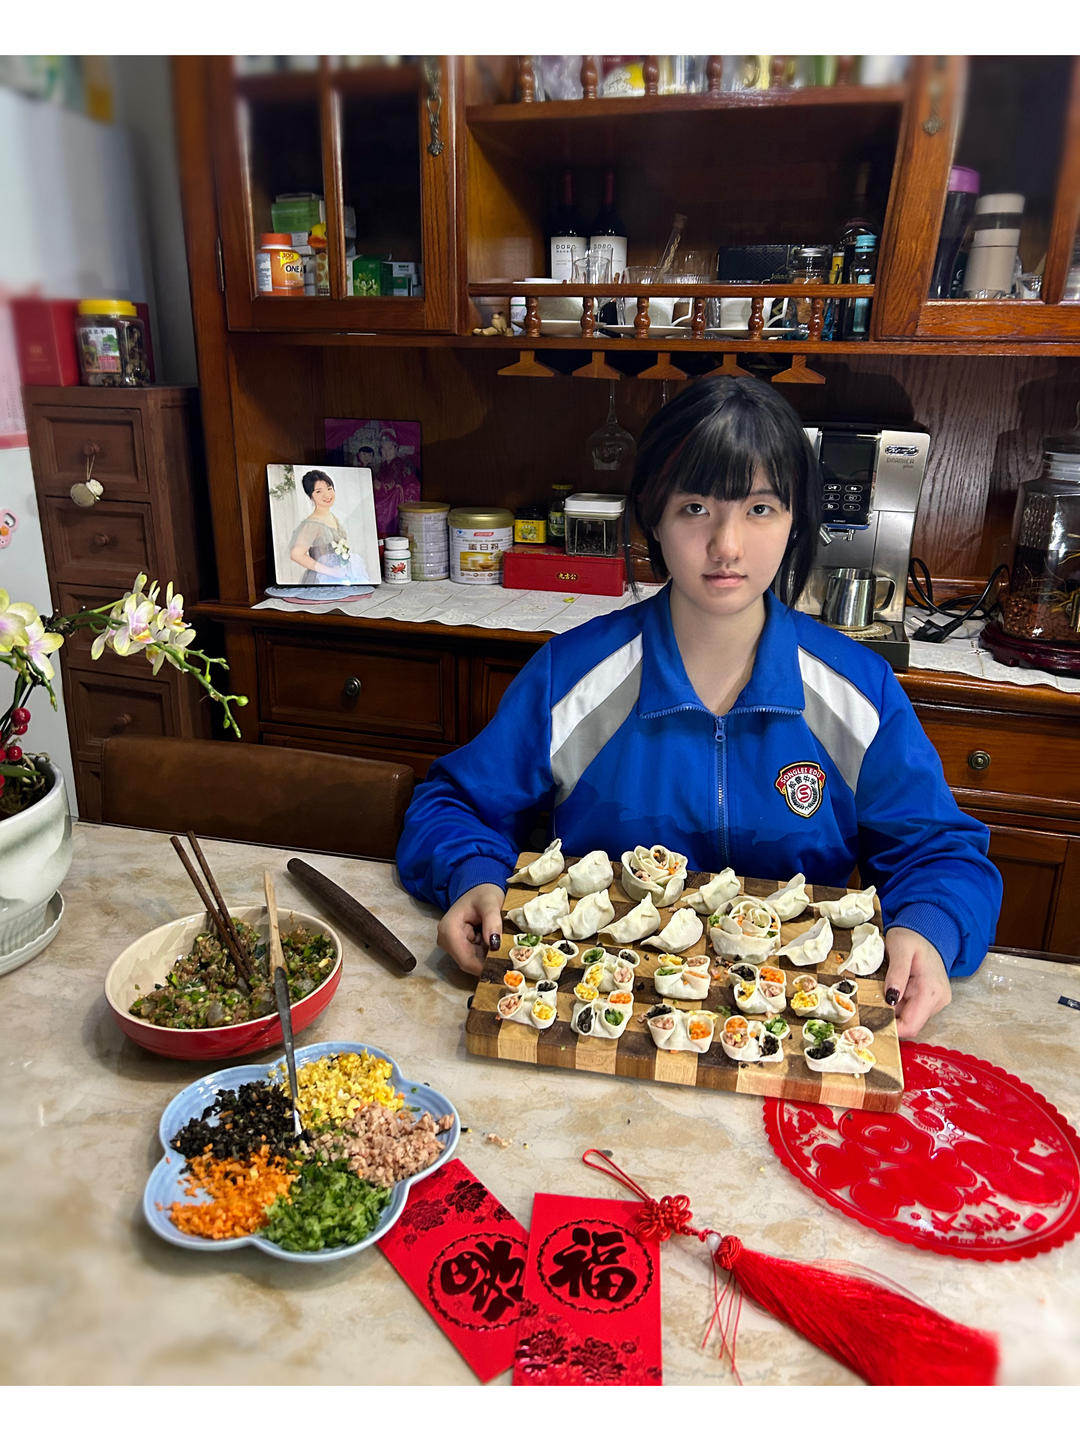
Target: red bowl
{"type": "Point", "coordinates": [147, 961]}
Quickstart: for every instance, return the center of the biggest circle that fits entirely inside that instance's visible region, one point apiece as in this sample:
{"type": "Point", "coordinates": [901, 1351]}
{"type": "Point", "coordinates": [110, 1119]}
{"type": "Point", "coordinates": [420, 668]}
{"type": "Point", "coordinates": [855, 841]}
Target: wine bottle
{"type": "Point", "coordinates": [607, 235]}
{"type": "Point", "coordinates": [567, 233]}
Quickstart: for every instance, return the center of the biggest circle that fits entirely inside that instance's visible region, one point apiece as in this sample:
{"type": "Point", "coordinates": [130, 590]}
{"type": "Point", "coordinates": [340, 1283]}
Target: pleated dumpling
{"type": "Point", "coordinates": [684, 929]}
{"type": "Point", "coordinates": [791, 899]}
{"type": "Point", "coordinates": [867, 950]}
{"type": "Point", "coordinates": [851, 909]}
{"type": "Point", "coordinates": [591, 873]}
{"type": "Point", "coordinates": [588, 915]}
{"type": "Point", "coordinates": [653, 870]}
{"type": "Point", "coordinates": [642, 920]}
{"type": "Point", "coordinates": [540, 914]}
{"type": "Point", "coordinates": [544, 868]}
{"type": "Point", "coordinates": [745, 926]}
{"type": "Point", "coordinates": [812, 946]}
{"type": "Point", "coordinates": [717, 892]}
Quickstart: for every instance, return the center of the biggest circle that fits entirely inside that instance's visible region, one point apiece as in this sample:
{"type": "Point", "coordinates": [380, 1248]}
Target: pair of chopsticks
{"type": "Point", "coordinates": [215, 905]}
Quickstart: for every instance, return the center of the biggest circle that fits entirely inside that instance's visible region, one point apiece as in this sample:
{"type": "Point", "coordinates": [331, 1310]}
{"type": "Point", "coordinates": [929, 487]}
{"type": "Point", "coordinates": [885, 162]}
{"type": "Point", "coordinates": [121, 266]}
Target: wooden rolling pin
{"type": "Point", "coordinates": [341, 906]}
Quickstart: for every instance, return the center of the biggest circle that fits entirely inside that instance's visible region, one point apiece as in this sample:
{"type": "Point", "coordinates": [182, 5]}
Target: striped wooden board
{"type": "Point", "coordinates": [635, 1056]}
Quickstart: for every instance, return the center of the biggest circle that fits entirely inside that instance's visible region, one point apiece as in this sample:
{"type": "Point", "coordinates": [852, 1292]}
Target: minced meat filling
{"type": "Point", "coordinates": [202, 990]}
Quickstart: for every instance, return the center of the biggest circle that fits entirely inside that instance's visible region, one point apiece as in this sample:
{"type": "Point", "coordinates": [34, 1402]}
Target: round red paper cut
{"type": "Point", "coordinates": [975, 1163]}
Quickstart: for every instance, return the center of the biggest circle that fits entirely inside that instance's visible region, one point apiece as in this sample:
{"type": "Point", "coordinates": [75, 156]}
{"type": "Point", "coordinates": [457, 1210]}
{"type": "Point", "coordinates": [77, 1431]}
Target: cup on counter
{"type": "Point", "coordinates": [661, 307]}
{"type": "Point", "coordinates": [850, 600]}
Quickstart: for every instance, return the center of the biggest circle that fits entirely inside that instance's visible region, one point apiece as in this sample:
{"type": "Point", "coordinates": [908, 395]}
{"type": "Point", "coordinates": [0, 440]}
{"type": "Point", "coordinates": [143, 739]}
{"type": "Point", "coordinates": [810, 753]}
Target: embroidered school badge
{"type": "Point", "coordinates": [802, 786]}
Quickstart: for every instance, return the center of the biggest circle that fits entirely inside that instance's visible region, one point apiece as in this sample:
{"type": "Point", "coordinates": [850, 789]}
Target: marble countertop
{"type": "Point", "coordinates": [93, 1297]}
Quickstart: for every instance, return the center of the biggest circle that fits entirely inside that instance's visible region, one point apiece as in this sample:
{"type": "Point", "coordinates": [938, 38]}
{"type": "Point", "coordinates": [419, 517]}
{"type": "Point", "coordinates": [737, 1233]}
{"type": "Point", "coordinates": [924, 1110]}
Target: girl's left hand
{"type": "Point", "coordinates": [918, 977]}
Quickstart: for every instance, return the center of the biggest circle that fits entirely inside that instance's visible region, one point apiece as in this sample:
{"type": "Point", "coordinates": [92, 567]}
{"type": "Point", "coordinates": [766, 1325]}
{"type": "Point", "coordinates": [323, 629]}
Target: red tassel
{"type": "Point", "coordinates": [863, 1320]}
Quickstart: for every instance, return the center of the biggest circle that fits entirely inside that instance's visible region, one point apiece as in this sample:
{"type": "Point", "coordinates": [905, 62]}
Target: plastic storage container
{"type": "Point", "coordinates": [1043, 602]}
{"type": "Point", "coordinates": [112, 343]}
{"type": "Point", "coordinates": [594, 523]}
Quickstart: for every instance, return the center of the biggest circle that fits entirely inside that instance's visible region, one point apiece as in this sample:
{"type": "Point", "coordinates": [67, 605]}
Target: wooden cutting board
{"type": "Point", "coordinates": [634, 1055]}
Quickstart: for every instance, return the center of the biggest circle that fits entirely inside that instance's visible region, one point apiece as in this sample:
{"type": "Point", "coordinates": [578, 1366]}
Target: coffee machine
{"type": "Point", "coordinates": [871, 482]}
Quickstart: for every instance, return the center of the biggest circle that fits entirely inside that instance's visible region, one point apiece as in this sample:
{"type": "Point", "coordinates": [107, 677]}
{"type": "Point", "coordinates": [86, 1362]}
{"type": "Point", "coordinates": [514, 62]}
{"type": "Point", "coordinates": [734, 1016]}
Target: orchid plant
{"type": "Point", "coordinates": [137, 623]}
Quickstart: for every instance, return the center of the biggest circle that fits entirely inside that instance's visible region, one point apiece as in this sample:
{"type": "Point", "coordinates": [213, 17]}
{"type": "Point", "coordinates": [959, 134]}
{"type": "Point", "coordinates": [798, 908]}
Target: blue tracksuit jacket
{"type": "Point", "coordinates": [820, 765]}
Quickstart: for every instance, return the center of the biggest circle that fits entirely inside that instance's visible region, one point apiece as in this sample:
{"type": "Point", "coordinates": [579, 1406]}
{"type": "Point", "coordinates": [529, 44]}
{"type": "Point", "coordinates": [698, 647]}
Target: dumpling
{"type": "Point", "coordinates": [867, 950]}
{"type": "Point", "coordinates": [591, 873]}
{"type": "Point", "coordinates": [812, 946]}
{"type": "Point", "coordinates": [791, 899]}
{"type": "Point", "coordinates": [850, 909]}
{"type": "Point", "coordinates": [681, 982]}
{"type": "Point", "coordinates": [544, 868]}
{"type": "Point", "coordinates": [710, 897]}
{"type": "Point", "coordinates": [589, 914]}
{"type": "Point", "coordinates": [541, 912]}
{"type": "Point", "coordinates": [745, 926]}
{"type": "Point", "coordinates": [642, 920]}
{"type": "Point", "coordinates": [653, 870]}
{"type": "Point", "coordinates": [682, 930]}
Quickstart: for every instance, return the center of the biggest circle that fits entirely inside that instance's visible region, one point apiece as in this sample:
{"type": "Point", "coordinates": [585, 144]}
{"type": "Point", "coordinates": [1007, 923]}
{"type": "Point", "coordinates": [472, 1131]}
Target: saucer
{"type": "Point", "coordinates": [54, 913]}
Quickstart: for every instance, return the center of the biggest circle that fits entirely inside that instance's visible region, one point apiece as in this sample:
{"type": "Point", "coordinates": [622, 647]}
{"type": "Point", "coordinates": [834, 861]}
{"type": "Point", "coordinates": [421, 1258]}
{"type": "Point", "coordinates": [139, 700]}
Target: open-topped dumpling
{"type": "Point", "coordinates": [749, 1041]}
{"type": "Point", "coordinates": [684, 929]}
{"type": "Point", "coordinates": [591, 873]}
{"type": "Point", "coordinates": [846, 1054]}
{"type": "Point", "coordinates": [720, 889]}
{"type": "Point", "coordinates": [791, 899]}
{"type": "Point", "coordinates": [851, 909]}
{"type": "Point", "coordinates": [745, 926]}
{"type": "Point", "coordinates": [588, 915]}
{"type": "Point", "coordinates": [653, 870]}
{"type": "Point", "coordinates": [867, 950]}
{"type": "Point", "coordinates": [673, 1029]}
{"type": "Point", "coordinates": [811, 947]}
{"type": "Point", "coordinates": [681, 981]}
{"type": "Point", "coordinates": [765, 994]}
{"type": "Point", "coordinates": [544, 868]}
{"type": "Point", "coordinates": [542, 913]}
{"type": "Point", "coordinates": [644, 919]}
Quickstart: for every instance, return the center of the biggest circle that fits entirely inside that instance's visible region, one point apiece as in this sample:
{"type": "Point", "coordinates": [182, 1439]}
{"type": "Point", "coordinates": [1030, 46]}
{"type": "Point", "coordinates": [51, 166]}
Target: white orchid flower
{"type": "Point", "coordinates": [39, 645]}
{"type": "Point", "coordinates": [15, 621]}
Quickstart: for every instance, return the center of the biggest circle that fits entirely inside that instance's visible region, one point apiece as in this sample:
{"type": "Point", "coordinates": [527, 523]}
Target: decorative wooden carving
{"type": "Point", "coordinates": [597, 369]}
{"type": "Point", "coordinates": [588, 319]}
{"type": "Point", "coordinates": [714, 73]}
{"type": "Point", "coordinates": [697, 321]}
{"type": "Point", "coordinates": [527, 365]}
{"type": "Point", "coordinates": [757, 317]}
{"type": "Point", "coordinates": [526, 80]}
{"type": "Point", "coordinates": [651, 73]}
{"type": "Point", "coordinates": [777, 66]}
{"type": "Point", "coordinates": [641, 319]}
{"type": "Point", "coordinates": [663, 369]}
{"type": "Point", "coordinates": [728, 366]}
{"type": "Point", "coordinates": [799, 374]}
{"type": "Point", "coordinates": [845, 69]}
{"type": "Point", "coordinates": [532, 317]}
{"type": "Point", "coordinates": [589, 76]}
{"type": "Point", "coordinates": [817, 318]}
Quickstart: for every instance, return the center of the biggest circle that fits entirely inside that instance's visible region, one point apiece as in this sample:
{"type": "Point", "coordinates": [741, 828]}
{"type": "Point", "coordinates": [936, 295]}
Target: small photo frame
{"type": "Point", "coordinates": [390, 449]}
{"type": "Point", "coordinates": [323, 523]}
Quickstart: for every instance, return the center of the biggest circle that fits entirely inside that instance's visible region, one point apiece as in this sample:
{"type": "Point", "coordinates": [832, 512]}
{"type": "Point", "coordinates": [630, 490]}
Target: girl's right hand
{"type": "Point", "coordinates": [472, 927]}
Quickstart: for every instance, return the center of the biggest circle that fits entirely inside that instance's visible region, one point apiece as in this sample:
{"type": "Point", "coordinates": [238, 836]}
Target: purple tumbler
{"type": "Point", "coordinates": [959, 208]}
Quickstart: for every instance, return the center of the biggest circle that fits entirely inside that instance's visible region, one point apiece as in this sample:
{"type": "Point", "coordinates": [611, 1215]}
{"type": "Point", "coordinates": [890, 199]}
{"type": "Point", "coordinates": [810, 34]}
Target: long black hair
{"type": "Point", "coordinates": [312, 478]}
{"type": "Point", "coordinates": [711, 440]}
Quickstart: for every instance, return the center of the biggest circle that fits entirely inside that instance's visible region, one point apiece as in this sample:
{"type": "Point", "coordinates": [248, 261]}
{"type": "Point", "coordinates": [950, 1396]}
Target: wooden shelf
{"type": "Point", "coordinates": [625, 106]}
{"type": "Point", "coordinates": [291, 85]}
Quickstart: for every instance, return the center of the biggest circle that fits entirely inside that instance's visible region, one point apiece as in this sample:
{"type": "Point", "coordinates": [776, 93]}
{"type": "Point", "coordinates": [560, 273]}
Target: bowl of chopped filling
{"type": "Point", "coordinates": [175, 990]}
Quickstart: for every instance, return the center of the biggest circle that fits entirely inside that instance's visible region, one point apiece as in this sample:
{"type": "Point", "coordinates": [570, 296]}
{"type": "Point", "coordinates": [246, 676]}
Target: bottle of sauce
{"type": "Point", "coordinates": [556, 516]}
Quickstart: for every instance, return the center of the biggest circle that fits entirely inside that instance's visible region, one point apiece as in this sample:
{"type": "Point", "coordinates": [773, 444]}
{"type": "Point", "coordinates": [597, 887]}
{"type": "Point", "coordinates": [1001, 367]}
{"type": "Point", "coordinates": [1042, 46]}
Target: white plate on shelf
{"type": "Point", "coordinates": [683, 332]}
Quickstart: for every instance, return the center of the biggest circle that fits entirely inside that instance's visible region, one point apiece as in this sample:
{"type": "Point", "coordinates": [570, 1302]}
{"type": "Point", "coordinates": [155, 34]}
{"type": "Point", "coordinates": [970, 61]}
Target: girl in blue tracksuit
{"type": "Point", "coordinates": [718, 721]}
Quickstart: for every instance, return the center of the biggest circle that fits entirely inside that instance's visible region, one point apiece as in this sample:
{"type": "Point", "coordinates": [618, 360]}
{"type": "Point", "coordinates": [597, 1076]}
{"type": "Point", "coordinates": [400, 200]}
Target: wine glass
{"type": "Point", "coordinates": [593, 267]}
{"type": "Point", "coordinates": [611, 447]}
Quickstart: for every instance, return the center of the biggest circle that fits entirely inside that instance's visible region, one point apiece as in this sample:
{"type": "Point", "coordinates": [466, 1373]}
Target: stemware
{"type": "Point", "coordinates": [611, 447]}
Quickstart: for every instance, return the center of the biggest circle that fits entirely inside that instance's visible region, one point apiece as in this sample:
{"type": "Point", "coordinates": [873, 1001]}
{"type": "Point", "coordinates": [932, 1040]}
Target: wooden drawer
{"type": "Point", "coordinates": [420, 760]}
{"type": "Point", "coordinates": [107, 545]}
{"type": "Point", "coordinates": [1028, 759]}
{"type": "Point", "coordinates": [100, 705]}
{"type": "Point", "coordinates": [76, 647]}
{"type": "Point", "coordinates": [384, 690]}
{"type": "Point", "coordinates": [490, 677]}
{"type": "Point", "coordinates": [65, 435]}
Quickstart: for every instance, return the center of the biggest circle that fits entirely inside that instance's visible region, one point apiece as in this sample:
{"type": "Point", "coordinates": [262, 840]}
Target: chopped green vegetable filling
{"type": "Point", "coordinates": [327, 1206]}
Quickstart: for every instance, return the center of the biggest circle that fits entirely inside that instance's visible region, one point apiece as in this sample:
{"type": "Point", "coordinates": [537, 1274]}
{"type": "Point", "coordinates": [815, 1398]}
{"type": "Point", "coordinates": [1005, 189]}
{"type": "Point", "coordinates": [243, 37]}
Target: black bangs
{"type": "Point", "coordinates": [713, 439]}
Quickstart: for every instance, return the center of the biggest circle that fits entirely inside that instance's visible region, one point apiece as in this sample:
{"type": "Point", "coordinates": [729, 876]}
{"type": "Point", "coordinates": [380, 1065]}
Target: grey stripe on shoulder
{"type": "Point", "coordinates": [589, 714]}
{"type": "Point", "coordinates": [842, 719]}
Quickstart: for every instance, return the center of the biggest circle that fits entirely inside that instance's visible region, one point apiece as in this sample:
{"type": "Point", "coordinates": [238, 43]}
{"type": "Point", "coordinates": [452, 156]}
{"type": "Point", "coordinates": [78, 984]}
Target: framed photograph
{"type": "Point", "coordinates": [323, 523]}
{"type": "Point", "coordinates": [390, 449]}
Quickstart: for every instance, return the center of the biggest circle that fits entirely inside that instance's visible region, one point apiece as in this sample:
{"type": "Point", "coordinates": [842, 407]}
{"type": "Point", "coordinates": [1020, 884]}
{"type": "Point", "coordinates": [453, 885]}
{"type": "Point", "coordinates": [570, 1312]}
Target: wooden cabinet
{"type": "Point", "coordinates": [145, 449]}
{"type": "Point", "coordinates": [377, 143]}
{"type": "Point", "coordinates": [1016, 120]}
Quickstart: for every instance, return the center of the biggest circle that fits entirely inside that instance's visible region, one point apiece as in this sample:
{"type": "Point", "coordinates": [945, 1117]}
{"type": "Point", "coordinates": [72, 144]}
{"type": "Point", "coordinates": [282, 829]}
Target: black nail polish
{"type": "Point", "coordinates": [892, 996]}
{"type": "Point", "coordinates": [493, 942]}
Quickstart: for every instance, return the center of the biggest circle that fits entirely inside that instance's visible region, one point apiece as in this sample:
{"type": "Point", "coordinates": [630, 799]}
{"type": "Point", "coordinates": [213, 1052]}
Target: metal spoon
{"type": "Point", "coordinates": [281, 995]}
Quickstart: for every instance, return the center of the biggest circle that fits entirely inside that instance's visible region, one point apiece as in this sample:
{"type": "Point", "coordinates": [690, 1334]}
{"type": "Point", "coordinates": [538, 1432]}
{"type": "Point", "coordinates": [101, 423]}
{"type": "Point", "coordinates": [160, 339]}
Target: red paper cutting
{"type": "Point", "coordinates": [975, 1163]}
{"type": "Point", "coordinates": [591, 1310]}
{"type": "Point", "coordinates": [462, 1254]}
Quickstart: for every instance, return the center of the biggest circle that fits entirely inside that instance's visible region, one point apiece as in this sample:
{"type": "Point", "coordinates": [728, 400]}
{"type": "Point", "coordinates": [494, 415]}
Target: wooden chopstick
{"type": "Point", "coordinates": [204, 866]}
{"type": "Point", "coordinates": [220, 919]}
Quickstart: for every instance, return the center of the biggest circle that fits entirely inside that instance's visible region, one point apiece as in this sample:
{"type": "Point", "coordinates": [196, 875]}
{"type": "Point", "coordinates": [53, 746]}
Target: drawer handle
{"type": "Point", "coordinates": [122, 721]}
{"type": "Point", "coordinates": [979, 760]}
{"type": "Point", "coordinates": [101, 539]}
{"type": "Point", "coordinates": [352, 687]}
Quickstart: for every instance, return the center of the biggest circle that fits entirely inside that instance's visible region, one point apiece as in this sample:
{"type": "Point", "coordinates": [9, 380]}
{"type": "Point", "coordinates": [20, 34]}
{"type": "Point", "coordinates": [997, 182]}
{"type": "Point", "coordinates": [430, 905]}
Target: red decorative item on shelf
{"type": "Point", "coordinates": [860, 1318]}
{"type": "Point", "coordinates": [975, 1163]}
{"type": "Point", "coordinates": [541, 567]}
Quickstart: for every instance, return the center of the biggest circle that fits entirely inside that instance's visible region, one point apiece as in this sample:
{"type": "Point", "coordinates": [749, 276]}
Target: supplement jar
{"type": "Point", "coordinates": [478, 537]}
{"type": "Point", "coordinates": [397, 567]}
{"type": "Point", "coordinates": [594, 524]}
{"type": "Point", "coordinates": [279, 267]}
{"type": "Point", "coordinates": [112, 346]}
{"type": "Point", "coordinates": [424, 522]}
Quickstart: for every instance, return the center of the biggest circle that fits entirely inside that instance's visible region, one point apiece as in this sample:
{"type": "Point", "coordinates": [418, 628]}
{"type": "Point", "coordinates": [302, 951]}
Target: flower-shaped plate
{"type": "Point", "coordinates": [167, 1180]}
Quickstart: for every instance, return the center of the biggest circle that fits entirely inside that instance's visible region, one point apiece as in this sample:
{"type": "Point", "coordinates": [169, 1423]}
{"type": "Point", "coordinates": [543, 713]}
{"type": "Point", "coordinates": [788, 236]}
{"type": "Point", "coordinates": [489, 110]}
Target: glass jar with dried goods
{"type": "Point", "coordinates": [112, 345]}
{"type": "Point", "coordinates": [1043, 600]}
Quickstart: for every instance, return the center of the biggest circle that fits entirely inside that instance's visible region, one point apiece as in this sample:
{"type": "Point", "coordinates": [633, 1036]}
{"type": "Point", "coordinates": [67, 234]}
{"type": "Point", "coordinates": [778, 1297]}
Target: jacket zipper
{"type": "Point", "coordinates": [721, 813]}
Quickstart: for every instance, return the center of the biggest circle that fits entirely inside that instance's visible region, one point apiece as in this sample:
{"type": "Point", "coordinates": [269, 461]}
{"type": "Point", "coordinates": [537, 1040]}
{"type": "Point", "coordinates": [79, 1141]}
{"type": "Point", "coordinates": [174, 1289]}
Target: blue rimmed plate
{"type": "Point", "coordinates": [167, 1181]}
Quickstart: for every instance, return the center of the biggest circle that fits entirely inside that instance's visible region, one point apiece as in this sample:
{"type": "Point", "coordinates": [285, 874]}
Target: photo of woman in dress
{"type": "Point", "coordinates": [320, 543]}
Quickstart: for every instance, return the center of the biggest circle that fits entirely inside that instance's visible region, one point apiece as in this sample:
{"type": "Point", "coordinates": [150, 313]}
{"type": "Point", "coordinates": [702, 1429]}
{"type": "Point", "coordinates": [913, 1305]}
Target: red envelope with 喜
{"type": "Point", "coordinates": [590, 1314]}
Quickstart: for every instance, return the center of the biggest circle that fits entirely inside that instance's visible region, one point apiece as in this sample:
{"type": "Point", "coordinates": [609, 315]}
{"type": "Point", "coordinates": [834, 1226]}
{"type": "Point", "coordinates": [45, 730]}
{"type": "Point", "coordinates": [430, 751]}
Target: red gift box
{"type": "Point", "coordinates": [45, 340]}
{"type": "Point", "coordinates": [541, 567]}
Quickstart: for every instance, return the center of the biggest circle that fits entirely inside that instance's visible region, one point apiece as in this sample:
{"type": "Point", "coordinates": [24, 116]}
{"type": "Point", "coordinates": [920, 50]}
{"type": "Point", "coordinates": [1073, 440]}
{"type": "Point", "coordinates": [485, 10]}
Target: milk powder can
{"type": "Point", "coordinates": [478, 537]}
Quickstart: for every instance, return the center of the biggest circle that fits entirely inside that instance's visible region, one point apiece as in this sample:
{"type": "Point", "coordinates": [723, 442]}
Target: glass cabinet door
{"type": "Point", "coordinates": [982, 235]}
{"type": "Point", "coordinates": [336, 192]}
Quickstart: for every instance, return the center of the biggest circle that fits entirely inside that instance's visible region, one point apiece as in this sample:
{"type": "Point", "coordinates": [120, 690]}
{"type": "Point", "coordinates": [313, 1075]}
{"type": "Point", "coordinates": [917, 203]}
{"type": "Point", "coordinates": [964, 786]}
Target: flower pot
{"type": "Point", "coordinates": [35, 856]}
